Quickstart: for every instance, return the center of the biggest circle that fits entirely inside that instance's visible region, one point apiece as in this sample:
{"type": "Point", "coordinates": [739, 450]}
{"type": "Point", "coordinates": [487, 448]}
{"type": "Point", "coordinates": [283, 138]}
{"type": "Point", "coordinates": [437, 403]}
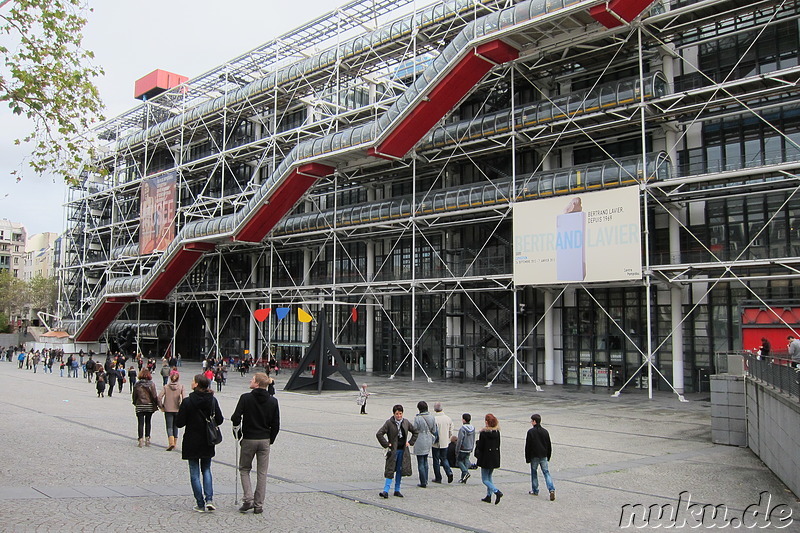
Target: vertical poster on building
{"type": "Point", "coordinates": [583, 238]}
{"type": "Point", "coordinates": [157, 213]}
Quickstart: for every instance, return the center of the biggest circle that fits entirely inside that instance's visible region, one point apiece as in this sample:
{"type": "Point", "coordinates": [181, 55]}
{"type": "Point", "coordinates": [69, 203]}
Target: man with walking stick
{"type": "Point", "coordinates": [256, 423]}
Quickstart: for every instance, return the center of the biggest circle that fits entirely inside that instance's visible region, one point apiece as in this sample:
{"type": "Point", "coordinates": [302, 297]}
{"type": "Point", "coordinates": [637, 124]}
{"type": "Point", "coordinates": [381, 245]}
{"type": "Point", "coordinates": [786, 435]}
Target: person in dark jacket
{"type": "Point", "coordinates": [90, 368]}
{"type": "Point", "coordinates": [145, 399]}
{"type": "Point", "coordinates": [537, 452]}
{"type": "Point", "coordinates": [396, 435]}
{"type": "Point", "coordinates": [193, 412]}
{"type": "Point", "coordinates": [259, 416]}
{"type": "Point", "coordinates": [111, 375]}
{"type": "Point", "coordinates": [487, 452]}
{"type": "Point", "coordinates": [131, 378]}
{"type": "Point", "coordinates": [120, 377]}
{"type": "Point", "coordinates": [766, 347]}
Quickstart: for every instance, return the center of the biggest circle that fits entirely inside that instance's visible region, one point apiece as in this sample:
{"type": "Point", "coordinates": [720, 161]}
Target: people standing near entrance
{"type": "Point", "coordinates": [396, 435]}
{"type": "Point", "coordinates": [131, 378]}
{"type": "Point", "coordinates": [111, 375]}
{"type": "Point", "coordinates": [765, 349]}
{"type": "Point", "coordinates": [487, 453]}
{"type": "Point", "coordinates": [120, 376]}
{"type": "Point", "coordinates": [100, 381]}
{"type": "Point", "coordinates": [169, 400]}
{"type": "Point", "coordinates": [538, 450]}
{"type": "Point", "coordinates": [464, 446]}
{"type": "Point", "coordinates": [258, 414]}
{"type": "Point", "coordinates": [90, 367]}
{"type": "Point", "coordinates": [199, 406]}
{"type": "Point", "coordinates": [219, 377]}
{"type": "Point", "coordinates": [145, 399]}
{"type": "Point", "coordinates": [425, 424]}
{"type": "Point", "coordinates": [362, 398]}
{"type": "Point", "coordinates": [165, 373]}
{"type": "Point", "coordinates": [444, 426]}
{"type": "Point", "coordinates": [794, 350]}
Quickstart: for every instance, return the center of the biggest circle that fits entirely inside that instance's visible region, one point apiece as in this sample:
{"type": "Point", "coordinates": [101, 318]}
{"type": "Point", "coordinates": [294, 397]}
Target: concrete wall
{"type": "Point", "coordinates": [773, 431]}
{"type": "Point", "coordinates": [728, 414]}
{"type": "Point", "coordinates": [9, 339]}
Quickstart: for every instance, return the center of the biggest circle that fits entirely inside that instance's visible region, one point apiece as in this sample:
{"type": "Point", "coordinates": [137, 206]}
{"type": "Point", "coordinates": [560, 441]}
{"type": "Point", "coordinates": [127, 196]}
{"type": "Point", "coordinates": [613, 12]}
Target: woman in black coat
{"type": "Point", "coordinates": [487, 452]}
{"type": "Point", "coordinates": [194, 410]}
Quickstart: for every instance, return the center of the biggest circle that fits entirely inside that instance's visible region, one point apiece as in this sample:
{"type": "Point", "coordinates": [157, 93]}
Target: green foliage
{"type": "Point", "coordinates": [47, 77]}
{"type": "Point", "coordinates": [13, 293]}
{"type": "Point", "coordinates": [42, 293]}
{"type": "Point", "coordinates": [5, 326]}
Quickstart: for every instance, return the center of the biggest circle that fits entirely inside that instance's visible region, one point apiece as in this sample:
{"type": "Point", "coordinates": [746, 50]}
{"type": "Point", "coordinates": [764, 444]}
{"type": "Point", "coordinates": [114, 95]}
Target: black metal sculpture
{"type": "Point", "coordinates": [326, 360]}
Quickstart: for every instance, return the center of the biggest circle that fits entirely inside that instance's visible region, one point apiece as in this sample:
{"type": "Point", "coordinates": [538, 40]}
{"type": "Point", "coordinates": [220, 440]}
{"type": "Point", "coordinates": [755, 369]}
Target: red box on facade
{"type": "Point", "coordinates": [156, 83]}
{"type": "Point", "coordinates": [774, 323]}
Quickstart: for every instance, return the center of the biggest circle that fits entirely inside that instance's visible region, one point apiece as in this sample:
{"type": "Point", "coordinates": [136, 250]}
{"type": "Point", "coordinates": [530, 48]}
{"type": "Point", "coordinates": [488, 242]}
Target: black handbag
{"type": "Point", "coordinates": [213, 434]}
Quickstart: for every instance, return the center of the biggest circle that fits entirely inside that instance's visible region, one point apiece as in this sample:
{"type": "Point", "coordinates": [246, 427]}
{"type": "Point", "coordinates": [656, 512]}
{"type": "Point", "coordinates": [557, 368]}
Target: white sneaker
{"type": "Point", "coordinates": [199, 509]}
{"type": "Point", "coordinates": [210, 506]}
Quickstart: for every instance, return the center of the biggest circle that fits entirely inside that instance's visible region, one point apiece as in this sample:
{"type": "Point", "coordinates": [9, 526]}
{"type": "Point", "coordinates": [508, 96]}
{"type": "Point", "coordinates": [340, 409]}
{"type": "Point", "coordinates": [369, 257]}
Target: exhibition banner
{"type": "Point", "coordinates": [157, 213]}
{"type": "Point", "coordinates": [585, 237]}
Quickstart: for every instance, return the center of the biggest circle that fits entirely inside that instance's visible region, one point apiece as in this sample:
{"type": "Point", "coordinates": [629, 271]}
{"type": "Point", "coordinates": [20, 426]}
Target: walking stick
{"type": "Point", "coordinates": [237, 435]}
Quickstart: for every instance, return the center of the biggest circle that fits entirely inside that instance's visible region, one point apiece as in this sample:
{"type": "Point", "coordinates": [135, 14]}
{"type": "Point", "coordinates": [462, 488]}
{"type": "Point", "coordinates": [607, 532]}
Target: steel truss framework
{"type": "Point", "coordinates": [421, 244]}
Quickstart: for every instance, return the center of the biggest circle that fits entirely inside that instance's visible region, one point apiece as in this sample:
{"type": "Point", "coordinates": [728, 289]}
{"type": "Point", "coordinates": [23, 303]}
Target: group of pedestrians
{"type": "Point", "coordinates": [47, 357]}
{"type": "Point", "coordinates": [434, 435]}
{"type": "Point", "coordinates": [256, 422]}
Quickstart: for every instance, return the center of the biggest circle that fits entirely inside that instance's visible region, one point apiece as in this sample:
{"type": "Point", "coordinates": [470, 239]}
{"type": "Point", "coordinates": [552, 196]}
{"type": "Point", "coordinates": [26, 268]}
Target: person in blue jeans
{"type": "Point", "coordinates": [465, 443]}
{"type": "Point", "coordinates": [537, 452]}
{"type": "Point", "coordinates": [196, 450]}
{"type": "Point", "coordinates": [444, 426]}
{"type": "Point", "coordinates": [487, 454]}
{"type": "Point", "coordinates": [396, 435]}
{"type": "Point", "coordinates": [425, 424]}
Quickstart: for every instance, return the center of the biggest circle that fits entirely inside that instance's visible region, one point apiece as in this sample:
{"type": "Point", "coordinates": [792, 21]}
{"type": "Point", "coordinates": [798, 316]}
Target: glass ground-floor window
{"type": "Point", "coordinates": [602, 338]}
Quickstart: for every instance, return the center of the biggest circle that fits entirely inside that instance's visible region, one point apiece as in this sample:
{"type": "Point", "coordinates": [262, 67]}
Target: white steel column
{"type": "Point", "coordinates": [306, 332]}
{"type": "Point", "coordinates": [514, 340]}
{"type": "Point", "coordinates": [369, 352]}
{"type": "Point", "coordinates": [413, 271]}
{"type": "Point", "coordinates": [370, 339]}
{"type": "Point", "coordinates": [676, 302]}
{"type": "Point", "coordinates": [643, 187]}
{"type": "Point", "coordinates": [515, 310]}
{"type": "Point", "coordinates": [251, 306]}
{"type": "Point", "coordinates": [549, 351]}
{"type": "Point", "coordinates": [219, 306]}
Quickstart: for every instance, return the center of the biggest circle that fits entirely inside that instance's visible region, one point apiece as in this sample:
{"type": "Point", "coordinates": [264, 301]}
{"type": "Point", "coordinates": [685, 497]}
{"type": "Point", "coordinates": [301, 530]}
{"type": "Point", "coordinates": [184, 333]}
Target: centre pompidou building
{"type": "Point", "coordinates": [579, 192]}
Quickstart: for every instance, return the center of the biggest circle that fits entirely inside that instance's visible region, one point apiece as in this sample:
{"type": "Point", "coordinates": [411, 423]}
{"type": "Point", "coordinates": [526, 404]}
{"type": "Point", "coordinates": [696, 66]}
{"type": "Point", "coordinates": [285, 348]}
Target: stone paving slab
{"type": "Point", "coordinates": [59, 492]}
{"type": "Point", "coordinates": [20, 493]}
{"type": "Point", "coordinates": [131, 491]}
{"type": "Point", "coordinates": [75, 459]}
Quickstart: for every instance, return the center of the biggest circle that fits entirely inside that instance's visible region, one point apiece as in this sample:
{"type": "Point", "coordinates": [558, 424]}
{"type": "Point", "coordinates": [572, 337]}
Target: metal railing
{"type": "Point", "coordinates": [781, 374]}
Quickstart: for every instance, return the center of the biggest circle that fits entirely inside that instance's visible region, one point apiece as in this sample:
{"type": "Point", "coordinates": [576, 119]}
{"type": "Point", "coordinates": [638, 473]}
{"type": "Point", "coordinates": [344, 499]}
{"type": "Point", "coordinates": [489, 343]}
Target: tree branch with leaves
{"type": "Point", "coordinates": [47, 76]}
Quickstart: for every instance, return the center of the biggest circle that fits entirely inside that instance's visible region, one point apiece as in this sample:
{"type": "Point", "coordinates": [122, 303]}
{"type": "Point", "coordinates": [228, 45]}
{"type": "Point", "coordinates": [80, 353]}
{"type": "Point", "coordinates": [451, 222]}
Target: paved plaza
{"type": "Point", "coordinates": [70, 461]}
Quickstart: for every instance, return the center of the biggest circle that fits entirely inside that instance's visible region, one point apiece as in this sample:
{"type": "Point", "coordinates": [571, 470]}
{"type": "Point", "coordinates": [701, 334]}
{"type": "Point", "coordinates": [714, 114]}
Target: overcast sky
{"type": "Point", "coordinates": [130, 40]}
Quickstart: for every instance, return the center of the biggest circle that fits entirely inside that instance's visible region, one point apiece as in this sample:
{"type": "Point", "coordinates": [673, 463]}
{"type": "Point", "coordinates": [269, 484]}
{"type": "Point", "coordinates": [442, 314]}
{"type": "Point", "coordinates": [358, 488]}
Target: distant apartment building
{"type": "Point", "coordinates": [40, 255]}
{"type": "Point", "coordinates": [13, 239]}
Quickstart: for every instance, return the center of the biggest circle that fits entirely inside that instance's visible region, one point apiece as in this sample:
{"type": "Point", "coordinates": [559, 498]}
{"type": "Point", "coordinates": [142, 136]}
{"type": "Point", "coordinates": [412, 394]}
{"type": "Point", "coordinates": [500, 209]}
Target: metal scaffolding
{"type": "Point", "coordinates": [299, 182]}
